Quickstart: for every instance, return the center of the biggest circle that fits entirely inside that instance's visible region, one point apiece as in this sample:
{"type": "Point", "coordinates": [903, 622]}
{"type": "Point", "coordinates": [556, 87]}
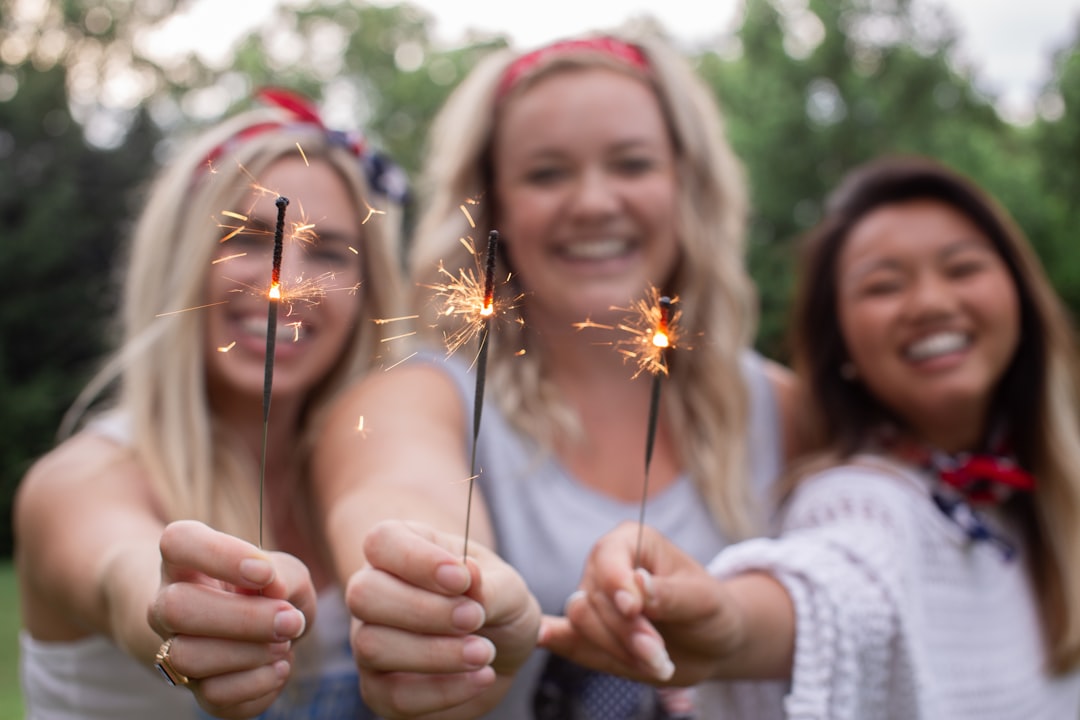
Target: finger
{"type": "Point", "coordinates": [630, 642]}
{"type": "Point", "coordinates": [189, 547]}
{"type": "Point", "coordinates": [292, 582]}
{"type": "Point", "coordinates": [558, 635]}
{"type": "Point", "coordinates": [193, 609]}
{"type": "Point", "coordinates": [201, 657]}
{"type": "Point", "coordinates": [611, 568]}
{"type": "Point", "coordinates": [683, 597]}
{"type": "Point", "coordinates": [419, 555]}
{"type": "Point", "coordinates": [405, 695]}
{"type": "Point", "coordinates": [379, 598]}
{"type": "Point", "coordinates": [597, 620]}
{"type": "Point", "coordinates": [242, 694]}
{"type": "Point", "coordinates": [386, 649]}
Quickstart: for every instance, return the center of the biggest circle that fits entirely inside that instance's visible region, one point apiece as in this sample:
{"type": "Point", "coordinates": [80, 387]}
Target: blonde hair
{"type": "Point", "coordinates": [708, 407]}
{"type": "Point", "coordinates": [195, 465]}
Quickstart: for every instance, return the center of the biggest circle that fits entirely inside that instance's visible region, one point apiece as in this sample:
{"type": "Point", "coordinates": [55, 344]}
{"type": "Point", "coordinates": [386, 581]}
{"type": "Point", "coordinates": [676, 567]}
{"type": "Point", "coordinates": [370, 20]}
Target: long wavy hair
{"type": "Point", "coordinates": [708, 407]}
{"type": "Point", "coordinates": [157, 377]}
{"type": "Point", "coordinates": [1038, 392]}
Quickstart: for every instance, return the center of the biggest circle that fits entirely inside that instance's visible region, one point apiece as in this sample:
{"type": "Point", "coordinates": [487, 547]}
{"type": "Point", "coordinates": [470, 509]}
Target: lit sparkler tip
{"type": "Point", "coordinates": [661, 338]}
{"type": "Point", "coordinates": [275, 291]}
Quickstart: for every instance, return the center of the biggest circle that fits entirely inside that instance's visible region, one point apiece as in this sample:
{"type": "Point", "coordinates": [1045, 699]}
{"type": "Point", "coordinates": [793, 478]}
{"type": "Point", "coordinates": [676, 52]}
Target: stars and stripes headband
{"type": "Point", "coordinates": [383, 175]}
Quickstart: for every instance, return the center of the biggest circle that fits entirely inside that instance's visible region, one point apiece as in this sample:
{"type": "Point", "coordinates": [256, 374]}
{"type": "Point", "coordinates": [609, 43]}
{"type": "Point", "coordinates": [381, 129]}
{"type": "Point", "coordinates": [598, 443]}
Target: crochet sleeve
{"type": "Point", "coordinates": [847, 555]}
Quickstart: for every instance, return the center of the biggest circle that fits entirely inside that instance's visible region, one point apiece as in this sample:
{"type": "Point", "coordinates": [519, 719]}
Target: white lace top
{"type": "Point", "coordinates": [899, 615]}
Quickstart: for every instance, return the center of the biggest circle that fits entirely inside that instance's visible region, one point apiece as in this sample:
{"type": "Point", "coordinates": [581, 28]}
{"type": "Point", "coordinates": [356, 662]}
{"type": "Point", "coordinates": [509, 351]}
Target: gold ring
{"type": "Point", "coordinates": [165, 666]}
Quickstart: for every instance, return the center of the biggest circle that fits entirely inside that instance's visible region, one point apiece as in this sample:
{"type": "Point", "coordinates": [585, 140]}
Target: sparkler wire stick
{"type": "Point", "coordinates": [274, 297]}
{"type": "Point", "coordinates": [486, 312]}
{"type": "Point", "coordinates": [661, 339]}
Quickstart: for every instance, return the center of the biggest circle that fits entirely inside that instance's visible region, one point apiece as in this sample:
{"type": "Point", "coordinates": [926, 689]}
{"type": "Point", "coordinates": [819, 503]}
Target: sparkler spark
{"type": "Point", "coordinates": [274, 297]}
{"type": "Point", "coordinates": [650, 328]}
{"type": "Point", "coordinates": [469, 298]}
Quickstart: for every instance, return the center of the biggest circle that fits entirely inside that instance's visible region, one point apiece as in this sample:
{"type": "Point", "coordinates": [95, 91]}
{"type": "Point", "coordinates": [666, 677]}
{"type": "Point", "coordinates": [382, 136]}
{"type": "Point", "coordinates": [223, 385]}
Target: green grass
{"type": "Point", "coordinates": [10, 697]}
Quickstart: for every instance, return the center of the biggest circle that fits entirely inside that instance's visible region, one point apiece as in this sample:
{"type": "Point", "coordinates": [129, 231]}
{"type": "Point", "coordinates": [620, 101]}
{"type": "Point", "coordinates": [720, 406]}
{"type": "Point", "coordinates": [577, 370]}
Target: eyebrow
{"type": "Point", "coordinates": [959, 245]}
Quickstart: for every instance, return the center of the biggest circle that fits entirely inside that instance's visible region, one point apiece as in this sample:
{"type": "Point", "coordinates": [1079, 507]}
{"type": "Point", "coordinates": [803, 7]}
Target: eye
{"type": "Point", "coordinates": [966, 267]}
{"type": "Point", "coordinates": [545, 175]}
{"type": "Point", "coordinates": [251, 241]}
{"type": "Point", "coordinates": [332, 255]}
{"type": "Point", "coordinates": [879, 285]}
{"type": "Point", "coordinates": [633, 165]}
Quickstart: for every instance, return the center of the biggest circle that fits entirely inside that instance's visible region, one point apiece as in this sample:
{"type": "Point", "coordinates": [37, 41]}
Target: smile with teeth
{"type": "Point", "coordinates": [286, 331]}
{"type": "Point", "coordinates": [597, 249]}
{"type": "Point", "coordinates": [936, 345]}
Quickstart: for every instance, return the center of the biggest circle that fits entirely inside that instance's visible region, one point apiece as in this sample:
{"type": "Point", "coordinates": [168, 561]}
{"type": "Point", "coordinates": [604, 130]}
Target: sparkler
{"type": "Point", "coordinates": [661, 341]}
{"type": "Point", "coordinates": [651, 327]}
{"type": "Point", "coordinates": [485, 313]}
{"type": "Point", "coordinates": [274, 297]}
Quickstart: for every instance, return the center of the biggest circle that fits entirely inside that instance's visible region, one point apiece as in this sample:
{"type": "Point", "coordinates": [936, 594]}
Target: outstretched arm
{"type": "Point", "coordinates": [669, 620]}
{"type": "Point", "coordinates": [423, 614]}
{"type": "Point", "coordinates": [94, 557]}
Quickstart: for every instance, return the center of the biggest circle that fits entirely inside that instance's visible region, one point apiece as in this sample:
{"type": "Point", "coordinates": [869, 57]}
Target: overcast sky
{"type": "Point", "coordinates": [1009, 41]}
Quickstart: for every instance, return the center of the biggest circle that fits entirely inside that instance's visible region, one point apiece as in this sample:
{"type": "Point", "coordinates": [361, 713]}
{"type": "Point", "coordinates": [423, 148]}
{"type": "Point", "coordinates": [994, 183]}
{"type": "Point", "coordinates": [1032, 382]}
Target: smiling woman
{"type": "Point", "coordinates": [925, 566]}
{"type": "Point", "coordinates": [152, 509]}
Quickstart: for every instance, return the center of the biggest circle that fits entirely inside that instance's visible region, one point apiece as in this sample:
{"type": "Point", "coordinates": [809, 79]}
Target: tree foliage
{"type": "Point", "coordinates": [808, 91]}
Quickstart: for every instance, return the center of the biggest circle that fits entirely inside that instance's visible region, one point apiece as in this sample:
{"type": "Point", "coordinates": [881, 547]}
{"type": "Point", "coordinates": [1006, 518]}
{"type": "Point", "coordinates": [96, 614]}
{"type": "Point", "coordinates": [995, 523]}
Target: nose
{"type": "Point", "coordinates": [596, 194]}
{"type": "Point", "coordinates": [931, 295]}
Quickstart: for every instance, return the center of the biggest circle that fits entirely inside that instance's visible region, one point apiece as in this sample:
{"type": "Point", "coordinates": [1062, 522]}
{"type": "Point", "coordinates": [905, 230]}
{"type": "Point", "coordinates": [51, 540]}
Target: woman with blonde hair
{"type": "Point", "coordinates": [151, 510]}
{"type": "Point", "coordinates": [602, 164]}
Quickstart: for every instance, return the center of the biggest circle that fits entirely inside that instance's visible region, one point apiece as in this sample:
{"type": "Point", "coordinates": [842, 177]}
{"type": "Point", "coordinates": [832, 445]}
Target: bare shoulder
{"type": "Point", "coordinates": [86, 464]}
{"type": "Point", "coordinates": [74, 508]}
{"type": "Point", "coordinates": [791, 402]}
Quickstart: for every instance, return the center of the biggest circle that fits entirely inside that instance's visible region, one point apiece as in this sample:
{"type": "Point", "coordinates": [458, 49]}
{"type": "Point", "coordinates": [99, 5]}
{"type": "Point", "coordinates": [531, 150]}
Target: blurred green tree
{"type": "Point", "coordinates": [63, 209]}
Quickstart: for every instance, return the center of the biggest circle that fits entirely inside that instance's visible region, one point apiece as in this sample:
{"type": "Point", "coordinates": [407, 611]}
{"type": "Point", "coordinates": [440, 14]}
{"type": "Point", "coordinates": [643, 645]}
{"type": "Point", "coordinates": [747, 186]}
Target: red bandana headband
{"type": "Point", "coordinates": [626, 52]}
{"type": "Point", "coordinates": [384, 177]}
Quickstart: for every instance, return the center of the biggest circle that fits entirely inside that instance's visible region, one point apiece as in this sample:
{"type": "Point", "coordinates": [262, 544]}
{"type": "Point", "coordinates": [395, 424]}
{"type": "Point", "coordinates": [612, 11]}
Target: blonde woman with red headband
{"type": "Point", "coordinates": [144, 588]}
{"type": "Point", "coordinates": [602, 164]}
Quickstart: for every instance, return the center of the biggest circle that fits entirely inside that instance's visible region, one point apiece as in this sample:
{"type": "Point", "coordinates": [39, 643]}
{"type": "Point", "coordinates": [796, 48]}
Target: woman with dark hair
{"type": "Point", "coordinates": [926, 565]}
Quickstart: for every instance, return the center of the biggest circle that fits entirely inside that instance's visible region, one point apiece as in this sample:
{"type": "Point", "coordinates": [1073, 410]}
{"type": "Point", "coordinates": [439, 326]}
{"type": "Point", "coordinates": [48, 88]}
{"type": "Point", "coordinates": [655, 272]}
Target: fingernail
{"type": "Point", "coordinates": [652, 651]}
{"type": "Point", "coordinates": [256, 571]}
{"type": "Point", "coordinates": [574, 597]}
{"type": "Point", "coordinates": [282, 670]}
{"type": "Point", "coordinates": [647, 586]}
{"type": "Point", "coordinates": [452, 577]}
{"type": "Point", "coordinates": [289, 624]}
{"type": "Point", "coordinates": [478, 651]}
{"type": "Point", "coordinates": [468, 616]}
{"type": "Point", "coordinates": [625, 602]}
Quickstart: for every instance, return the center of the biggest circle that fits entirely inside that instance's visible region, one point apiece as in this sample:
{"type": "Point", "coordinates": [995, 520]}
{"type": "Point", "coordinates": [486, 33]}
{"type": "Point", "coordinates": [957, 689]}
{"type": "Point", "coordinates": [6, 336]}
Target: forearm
{"type": "Point", "coordinates": [760, 629]}
{"type": "Point", "coordinates": [129, 577]}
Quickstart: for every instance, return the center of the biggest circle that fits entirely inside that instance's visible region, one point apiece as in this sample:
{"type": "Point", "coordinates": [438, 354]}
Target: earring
{"type": "Point", "coordinates": [848, 371]}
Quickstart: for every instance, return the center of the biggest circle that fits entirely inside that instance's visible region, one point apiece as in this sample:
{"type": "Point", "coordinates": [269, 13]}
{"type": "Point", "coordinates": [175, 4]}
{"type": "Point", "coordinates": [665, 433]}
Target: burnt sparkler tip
{"type": "Point", "coordinates": [282, 202]}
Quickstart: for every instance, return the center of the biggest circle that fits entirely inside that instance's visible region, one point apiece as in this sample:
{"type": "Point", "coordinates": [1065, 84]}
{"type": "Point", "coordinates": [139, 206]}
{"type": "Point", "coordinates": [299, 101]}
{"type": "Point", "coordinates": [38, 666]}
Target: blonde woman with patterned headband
{"type": "Point", "coordinates": [144, 588]}
{"type": "Point", "coordinates": [602, 164]}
